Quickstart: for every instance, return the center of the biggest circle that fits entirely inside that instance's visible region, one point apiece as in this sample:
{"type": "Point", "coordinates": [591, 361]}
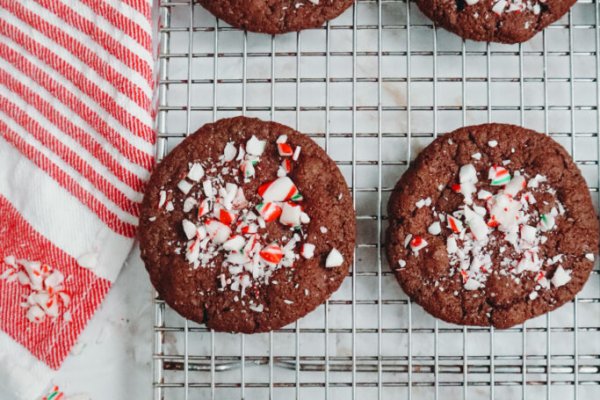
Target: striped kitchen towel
{"type": "Point", "coordinates": [77, 81]}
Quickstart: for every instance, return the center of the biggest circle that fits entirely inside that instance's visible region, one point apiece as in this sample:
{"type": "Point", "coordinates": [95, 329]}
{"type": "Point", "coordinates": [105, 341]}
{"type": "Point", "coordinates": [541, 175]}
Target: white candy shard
{"type": "Point", "coordinates": [184, 186]}
{"type": "Point", "coordinates": [467, 173]}
{"type": "Point", "coordinates": [547, 222]}
{"type": "Point", "coordinates": [281, 139]}
{"type": "Point", "coordinates": [255, 147]}
{"type": "Point", "coordinates": [189, 228]}
{"type": "Point", "coordinates": [290, 214]}
{"type": "Point", "coordinates": [561, 277]}
{"type": "Point", "coordinates": [189, 203]}
{"type": "Point", "coordinates": [217, 231]}
{"type": "Point", "coordinates": [491, 143]}
{"type": "Point", "coordinates": [236, 243]}
{"type": "Point", "coordinates": [162, 198]}
{"type": "Point", "coordinates": [451, 245]}
{"type": "Point", "coordinates": [230, 152]}
{"type": "Point", "coordinates": [528, 234]}
{"type": "Point", "coordinates": [308, 250]}
{"type": "Point", "coordinates": [590, 256]}
{"type": "Point", "coordinates": [472, 284]}
{"type": "Point", "coordinates": [196, 172]}
{"type": "Point", "coordinates": [256, 308]}
{"type": "Point", "coordinates": [208, 189]}
{"type": "Point", "coordinates": [401, 263]}
{"type": "Point", "coordinates": [423, 202]}
{"type": "Point", "coordinates": [478, 227]}
{"type": "Point", "coordinates": [516, 184]}
{"type": "Point", "coordinates": [334, 259]}
{"type": "Point", "coordinates": [435, 228]}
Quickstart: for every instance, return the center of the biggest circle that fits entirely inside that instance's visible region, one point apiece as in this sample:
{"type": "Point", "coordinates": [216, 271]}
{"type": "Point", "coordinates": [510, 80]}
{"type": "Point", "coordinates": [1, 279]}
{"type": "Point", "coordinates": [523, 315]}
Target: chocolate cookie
{"type": "Point", "coordinates": [246, 226]}
{"type": "Point", "coordinates": [505, 21]}
{"type": "Point", "coordinates": [492, 225]}
{"type": "Point", "coordinates": [276, 16]}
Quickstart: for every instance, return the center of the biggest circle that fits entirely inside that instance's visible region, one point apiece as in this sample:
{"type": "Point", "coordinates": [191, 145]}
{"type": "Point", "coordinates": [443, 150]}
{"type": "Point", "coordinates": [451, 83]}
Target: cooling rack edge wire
{"type": "Point", "coordinates": [374, 87]}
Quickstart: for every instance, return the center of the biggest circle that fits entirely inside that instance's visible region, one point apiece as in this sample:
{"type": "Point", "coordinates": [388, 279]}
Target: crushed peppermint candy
{"type": "Point", "coordinates": [48, 296]}
{"type": "Point", "coordinates": [334, 259]}
{"type": "Point", "coordinates": [223, 227]}
{"type": "Point", "coordinates": [502, 232]}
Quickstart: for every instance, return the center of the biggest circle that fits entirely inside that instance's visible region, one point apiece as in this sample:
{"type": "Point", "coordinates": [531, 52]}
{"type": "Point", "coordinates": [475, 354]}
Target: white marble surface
{"type": "Point", "coordinates": [113, 361]}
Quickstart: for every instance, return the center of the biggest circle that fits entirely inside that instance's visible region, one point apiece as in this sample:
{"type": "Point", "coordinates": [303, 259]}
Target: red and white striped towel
{"type": "Point", "coordinates": [76, 146]}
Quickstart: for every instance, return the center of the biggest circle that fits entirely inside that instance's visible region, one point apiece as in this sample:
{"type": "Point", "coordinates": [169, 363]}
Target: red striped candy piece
{"type": "Point", "coordinates": [269, 211]}
{"type": "Point", "coordinates": [285, 150]}
{"type": "Point", "coordinates": [281, 189]}
{"type": "Point", "coordinates": [286, 165]}
{"type": "Point", "coordinates": [272, 253]}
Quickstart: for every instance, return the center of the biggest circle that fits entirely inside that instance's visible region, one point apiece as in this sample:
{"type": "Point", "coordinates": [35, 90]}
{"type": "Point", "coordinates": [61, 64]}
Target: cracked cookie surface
{"type": "Point", "coordinates": [492, 225]}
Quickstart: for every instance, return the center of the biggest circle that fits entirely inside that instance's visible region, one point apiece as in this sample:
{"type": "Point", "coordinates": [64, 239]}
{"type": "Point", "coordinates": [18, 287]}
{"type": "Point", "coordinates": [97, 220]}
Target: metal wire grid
{"type": "Point", "coordinates": [373, 88]}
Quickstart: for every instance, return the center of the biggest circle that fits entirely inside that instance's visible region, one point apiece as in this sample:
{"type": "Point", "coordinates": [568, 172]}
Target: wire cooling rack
{"type": "Point", "coordinates": [373, 88]}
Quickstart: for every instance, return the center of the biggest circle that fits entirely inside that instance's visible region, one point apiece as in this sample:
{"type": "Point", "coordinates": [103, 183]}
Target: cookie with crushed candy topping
{"type": "Point", "coordinates": [504, 21]}
{"type": "Point", "coordinates": [246, 226]}
{"type": "Point", "coordinates": [276, 16]}
{"type": "Point", "coordinates": [492, 225]}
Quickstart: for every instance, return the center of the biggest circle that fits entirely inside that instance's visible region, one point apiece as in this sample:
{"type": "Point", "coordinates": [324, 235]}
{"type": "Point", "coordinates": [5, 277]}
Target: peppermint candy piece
{"type": "Point", "coordinates": [258, 308]}
{"type": "Point", "coordinates": [230, 152]}
{"type": "Point", "coordinates": [269, 211]}
{"type": "Point", "coordinates": [454, 224]}
{"type": "Point", "coordinates": [561, 277]}
{"type": "Point", "coordinates": [291, 215]}
{"type": "Point", "coordinates": [239, 201]}
{"type": "Point", "coordinates": [472, 284]}
{"type": "Point", "coordinates": [35, 314]}
{"type": "Point", "coordinates": [467, 173]}
{"type": "Point", "coordinates": [476, 224]}
{"type": "Point", "coordinates": [417, 243]}
{"type": "Point", "coordinates": [281, 189]}
{"type": "Point", "coordinates": [247, 168]}
{"type": "Point", "coordinates": [284, 150]}
{"type": "Point", "coordinates": [498, 175]}
{"type": "Point", "coordinates": [272, 254]}
{"type": "Point", "coordinates": [451, 245]}
{"type": "Point", "coordinates": [435, 228]}
{"type": "Point", "coordinates": [515, 185]}
{"type": "Point", "coordinates": [528, 235]}
{"type": "Point", "coordinates": [281, 139]}
{"type": "Point", "coordinates": [217, 231]}
{"type": "Point", "coordinates": [184, 186]}
{"type": "Point", "coordinates": [308, 251]}
{"type": "Point", "coordinates": [286, 167]}
{"type": "Point", "coordinates": [189, 204]}
{"type": "Point", "coordinates": [204, 208]}
{"type": "Point", "coordinates": [334, 259]}
{"type": "Point", "coordinates": [196, 172]}
{"type": "Point", "coordinates": [235, 243]}
{"type": "Point", "coordinates": [547, 222]}
{"type": "Point", "coordinates": [189, 228]}
{"type": "Point", "coordinates": [223, 215]}
{"type": "Point", "coordinates": [255, 147]}
{"type": "Point", "coordinates": [248, 228]}
{"type": "Point", "coordinates": [504, 210]}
